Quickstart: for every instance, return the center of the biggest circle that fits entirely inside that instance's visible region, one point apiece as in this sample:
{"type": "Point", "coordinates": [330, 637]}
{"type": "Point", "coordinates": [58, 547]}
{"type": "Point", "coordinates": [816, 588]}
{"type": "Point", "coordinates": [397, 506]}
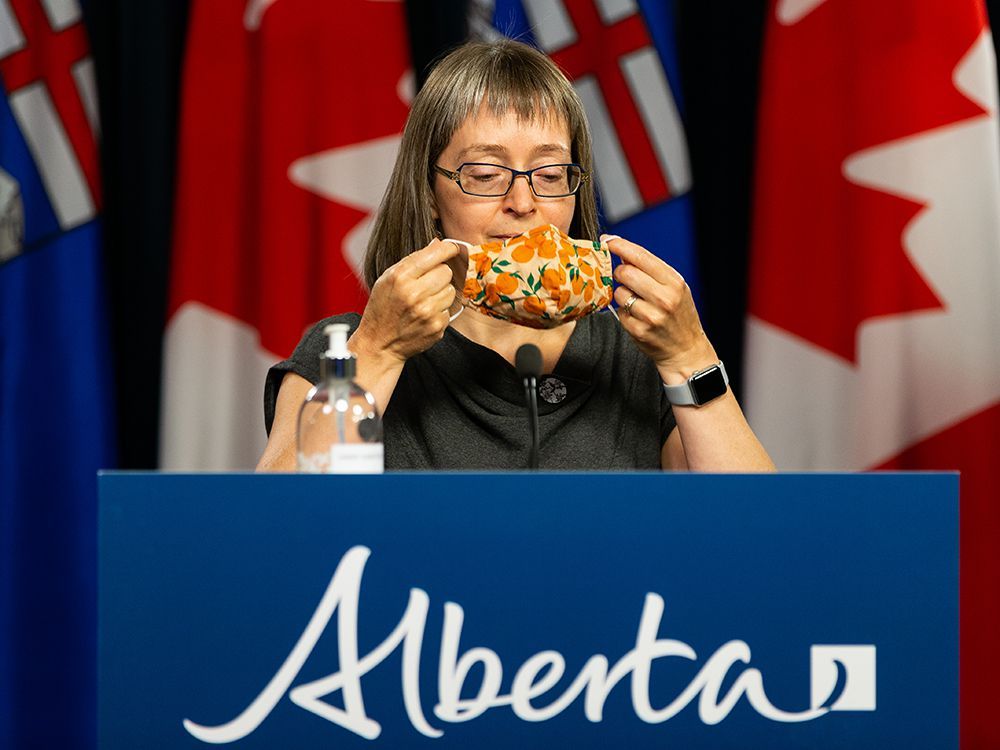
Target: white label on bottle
{"type": "Point", "coordinates": [357, 458]}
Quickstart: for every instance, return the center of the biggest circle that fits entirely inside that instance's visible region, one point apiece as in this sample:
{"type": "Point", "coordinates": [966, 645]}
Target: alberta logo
{"type": "Point", "coordinates": [842, 676]}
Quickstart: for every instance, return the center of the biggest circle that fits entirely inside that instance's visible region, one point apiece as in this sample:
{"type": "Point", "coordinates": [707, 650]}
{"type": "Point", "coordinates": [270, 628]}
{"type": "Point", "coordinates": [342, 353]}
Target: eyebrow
{"type": "Point", "coordinates": [495, 149]}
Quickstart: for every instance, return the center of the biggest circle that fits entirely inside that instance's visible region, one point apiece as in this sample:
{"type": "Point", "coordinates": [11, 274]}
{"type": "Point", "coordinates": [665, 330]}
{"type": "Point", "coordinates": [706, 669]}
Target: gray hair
{"type": "Point", "coordinates": [506, 76]}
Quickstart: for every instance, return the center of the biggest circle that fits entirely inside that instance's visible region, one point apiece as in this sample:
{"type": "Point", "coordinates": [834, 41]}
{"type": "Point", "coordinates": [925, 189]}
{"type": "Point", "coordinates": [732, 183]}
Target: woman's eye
{"type": "Point", "coordinates": [484, 174]}
{"type": "Point", "coordinates": [551, 175]}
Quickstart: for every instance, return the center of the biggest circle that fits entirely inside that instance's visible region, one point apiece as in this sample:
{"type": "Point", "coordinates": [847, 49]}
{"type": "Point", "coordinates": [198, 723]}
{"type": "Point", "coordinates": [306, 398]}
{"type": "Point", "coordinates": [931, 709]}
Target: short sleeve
{"type": "Point", "coordinates": [304, 362]}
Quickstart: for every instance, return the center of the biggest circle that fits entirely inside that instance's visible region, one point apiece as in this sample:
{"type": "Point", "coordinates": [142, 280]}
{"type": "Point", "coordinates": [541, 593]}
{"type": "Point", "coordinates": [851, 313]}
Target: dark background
{"type": "Point", "coordinates": [139, 49]}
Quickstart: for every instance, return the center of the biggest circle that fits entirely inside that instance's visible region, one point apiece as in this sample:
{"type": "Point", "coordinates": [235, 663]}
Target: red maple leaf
{"type": "Point", "coordinates": [853, 74]}
{"type": "Point", "coordinates": [249, 242]}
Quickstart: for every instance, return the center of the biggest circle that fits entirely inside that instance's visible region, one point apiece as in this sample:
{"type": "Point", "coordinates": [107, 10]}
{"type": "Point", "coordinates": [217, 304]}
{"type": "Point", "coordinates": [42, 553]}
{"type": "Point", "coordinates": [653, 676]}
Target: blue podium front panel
{"type": "Point", "coordinates": [529, 611]}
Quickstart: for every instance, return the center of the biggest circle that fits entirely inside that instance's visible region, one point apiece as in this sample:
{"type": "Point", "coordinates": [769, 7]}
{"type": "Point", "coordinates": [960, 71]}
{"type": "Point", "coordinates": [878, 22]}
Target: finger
{"type": "Point", "coordinates": [431, 311]}
{"type": "Point", "coordinates": [667, 295]}
{"type": "Point", "coordinates": [635, 307]}
{"type": "Point", "coordinates": [463, 247]}
{"type": "Point", "coordinates": [623, 294]}
{"type": "Point", "coordinates": [444, 299]}
{"type": "Point", "coordinates": [623, 297]}
{"type": "Point", "coordinates": [627, 320]}
{"type": "Point", "coordinates": [436, 253]}
{"type": "Point", "coordinates": [636, 255]}
{"type": "Point", "coordinates": [434, 280]}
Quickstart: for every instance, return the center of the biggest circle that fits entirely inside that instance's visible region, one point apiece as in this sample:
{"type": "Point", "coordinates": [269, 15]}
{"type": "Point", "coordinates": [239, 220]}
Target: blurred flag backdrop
{"type": "Point", "coordinates": [55, 371]}
{"type": "Point", "coordinates": [873, 320]}
{"type": "Point", "coordinates": [874, 315]}
{"type": "Point", "coordinates": [291, 117]}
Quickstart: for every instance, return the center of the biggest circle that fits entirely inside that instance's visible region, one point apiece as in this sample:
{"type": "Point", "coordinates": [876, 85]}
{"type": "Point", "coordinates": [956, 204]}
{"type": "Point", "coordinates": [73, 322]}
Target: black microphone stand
{"type": "Point", "coordinates": [531, 398]}
{"type": "Point", "coordinates": [528, 363]}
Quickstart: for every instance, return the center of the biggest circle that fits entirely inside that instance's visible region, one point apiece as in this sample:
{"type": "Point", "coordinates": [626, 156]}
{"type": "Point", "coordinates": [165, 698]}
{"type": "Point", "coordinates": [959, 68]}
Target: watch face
{"type": "Point", "coordinates": [708, 385]}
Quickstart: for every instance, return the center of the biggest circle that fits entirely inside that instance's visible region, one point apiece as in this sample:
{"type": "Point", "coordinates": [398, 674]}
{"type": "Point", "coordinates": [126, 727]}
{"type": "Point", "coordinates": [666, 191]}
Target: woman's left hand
{"type": "Point", "coordinates": [662, 319]}
{"type": "Point", "coordinates": [664, 323]}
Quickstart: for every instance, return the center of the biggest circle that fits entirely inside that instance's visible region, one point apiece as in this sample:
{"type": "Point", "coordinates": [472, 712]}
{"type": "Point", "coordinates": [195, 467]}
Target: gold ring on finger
{"type": "Point", "coordinates": [629, 303]}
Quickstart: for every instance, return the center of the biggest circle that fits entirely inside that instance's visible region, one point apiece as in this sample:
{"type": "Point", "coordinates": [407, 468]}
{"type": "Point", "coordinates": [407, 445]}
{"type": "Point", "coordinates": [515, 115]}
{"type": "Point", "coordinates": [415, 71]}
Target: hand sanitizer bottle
{"type": "Point", "coordinates": [340, 430]}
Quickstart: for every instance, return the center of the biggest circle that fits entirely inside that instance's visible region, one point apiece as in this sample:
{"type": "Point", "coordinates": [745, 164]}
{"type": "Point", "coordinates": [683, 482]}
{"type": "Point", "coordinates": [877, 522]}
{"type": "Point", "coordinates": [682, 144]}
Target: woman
{"type": "Point", "coordinates": [450, 395]}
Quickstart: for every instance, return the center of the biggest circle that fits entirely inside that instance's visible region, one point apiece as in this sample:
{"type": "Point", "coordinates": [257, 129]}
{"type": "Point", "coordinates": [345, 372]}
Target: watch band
{"type": "Point", "coordinates": [702, 387]}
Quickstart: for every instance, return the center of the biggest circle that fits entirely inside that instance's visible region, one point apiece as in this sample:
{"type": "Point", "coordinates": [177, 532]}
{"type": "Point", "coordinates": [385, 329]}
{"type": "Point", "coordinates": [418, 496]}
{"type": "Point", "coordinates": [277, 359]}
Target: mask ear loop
{"type": "Point", "coordinates": [461, 309]}
{"type": "Point", "coordinates": [605, 239]}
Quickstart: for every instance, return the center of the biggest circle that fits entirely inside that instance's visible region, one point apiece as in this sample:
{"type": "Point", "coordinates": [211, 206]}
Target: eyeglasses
{"type": "Point", "coordinates": [494, 181]}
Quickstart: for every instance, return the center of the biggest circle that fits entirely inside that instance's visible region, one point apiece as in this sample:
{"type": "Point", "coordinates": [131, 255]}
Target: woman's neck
{"type": "Point", "coordinates": [506, 338]}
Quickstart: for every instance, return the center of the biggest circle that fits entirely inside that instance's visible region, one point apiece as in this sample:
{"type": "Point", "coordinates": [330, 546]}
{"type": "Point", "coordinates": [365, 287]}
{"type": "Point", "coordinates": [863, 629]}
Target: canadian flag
{"type": "Point", "coordinates": [291, 118]}
{"type": "Point", "coordinates": [874, 318]}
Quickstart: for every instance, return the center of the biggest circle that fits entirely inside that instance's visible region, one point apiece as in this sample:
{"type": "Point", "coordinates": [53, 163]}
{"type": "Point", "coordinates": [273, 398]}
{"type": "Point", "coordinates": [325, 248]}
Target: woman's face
{"type": "Point", "coordinates": [505, 141]}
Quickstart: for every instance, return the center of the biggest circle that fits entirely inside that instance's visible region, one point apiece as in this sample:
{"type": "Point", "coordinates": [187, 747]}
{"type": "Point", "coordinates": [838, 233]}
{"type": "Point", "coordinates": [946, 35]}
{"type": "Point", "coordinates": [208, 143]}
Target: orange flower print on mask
{"type": "Point", "coordinates": [553, 279]}
{"type": "Point", "coordinates": [507, 284]}
{"type": "Point", "coordinates": [481, 262]}
{"type": "Point", "coordinates": [547, 249]}
{"type": "Point", "coordinates": [538, 279]}
{"type": "Point", "coordinates": [523, 253]}
{"type": "Point", "coordinates": [472, 288]}
{"type": "Point", "coordinates": [534, 306]}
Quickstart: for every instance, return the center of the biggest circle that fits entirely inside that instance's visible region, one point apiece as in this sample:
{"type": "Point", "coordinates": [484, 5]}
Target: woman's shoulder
{"type": "Point", "coordinates": [304, 361]}
{"type": "Point", "coordinates": [314, 340]}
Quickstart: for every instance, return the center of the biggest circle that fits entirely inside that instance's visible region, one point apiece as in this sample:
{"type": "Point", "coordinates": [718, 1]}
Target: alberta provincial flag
{"type": "Point", "coordinates": [873, 338]}
{"type": "Point", "coordinates": [291, 118]}
{"type": "Point", "coordinates": [55, 376]}
{"type": "Point", "coordinates": [620, 56]}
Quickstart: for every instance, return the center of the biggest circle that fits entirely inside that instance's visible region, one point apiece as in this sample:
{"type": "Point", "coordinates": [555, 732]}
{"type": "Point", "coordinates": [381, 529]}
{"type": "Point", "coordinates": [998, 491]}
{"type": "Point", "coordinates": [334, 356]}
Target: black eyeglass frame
{"type": "Point", "coordinates": [456, 177]}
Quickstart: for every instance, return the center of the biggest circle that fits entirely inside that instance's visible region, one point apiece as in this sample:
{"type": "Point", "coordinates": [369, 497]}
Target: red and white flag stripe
{"type": "Point", "coordinates": [283, 159]}
{"type": "Point", "coordinates": [875, 272]}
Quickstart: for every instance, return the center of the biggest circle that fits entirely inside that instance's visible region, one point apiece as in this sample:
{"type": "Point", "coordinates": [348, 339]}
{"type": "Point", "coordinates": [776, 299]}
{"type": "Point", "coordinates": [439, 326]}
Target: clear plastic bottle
{"type": "Point", "coordinates": [339, 430]}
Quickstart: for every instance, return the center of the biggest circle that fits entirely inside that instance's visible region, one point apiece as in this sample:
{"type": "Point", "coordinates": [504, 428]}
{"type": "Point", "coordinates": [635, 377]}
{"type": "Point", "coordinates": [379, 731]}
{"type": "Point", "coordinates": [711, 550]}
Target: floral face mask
{"type": "Point", "coordinates": [539, 279]}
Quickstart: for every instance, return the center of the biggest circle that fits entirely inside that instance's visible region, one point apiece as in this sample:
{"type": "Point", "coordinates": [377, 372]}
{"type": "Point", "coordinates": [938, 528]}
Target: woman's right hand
{"type": "Point", "coordinates": [406, 314]}
{"type": "Point", "coordinates": [409, 306]}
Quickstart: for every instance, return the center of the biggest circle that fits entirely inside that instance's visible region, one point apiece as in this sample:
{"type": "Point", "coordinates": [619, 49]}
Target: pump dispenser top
{"type": "Point", "coordinates": [337, 361]}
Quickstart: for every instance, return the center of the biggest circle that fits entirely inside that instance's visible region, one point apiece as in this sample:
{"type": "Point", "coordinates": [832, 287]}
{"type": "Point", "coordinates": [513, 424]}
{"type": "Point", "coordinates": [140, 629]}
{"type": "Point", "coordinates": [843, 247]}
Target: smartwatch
{"type": "Point", "coordinates": [702, 387]}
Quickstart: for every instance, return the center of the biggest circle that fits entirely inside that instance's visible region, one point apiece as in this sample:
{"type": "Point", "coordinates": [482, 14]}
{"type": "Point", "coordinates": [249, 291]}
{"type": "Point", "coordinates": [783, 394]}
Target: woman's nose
{"type": "Point", "coordinates": [520, 199]}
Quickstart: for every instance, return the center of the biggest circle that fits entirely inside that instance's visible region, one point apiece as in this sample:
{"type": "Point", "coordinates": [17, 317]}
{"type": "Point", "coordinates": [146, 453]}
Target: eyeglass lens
{"type": "Point", "coordinates": [491, 180]}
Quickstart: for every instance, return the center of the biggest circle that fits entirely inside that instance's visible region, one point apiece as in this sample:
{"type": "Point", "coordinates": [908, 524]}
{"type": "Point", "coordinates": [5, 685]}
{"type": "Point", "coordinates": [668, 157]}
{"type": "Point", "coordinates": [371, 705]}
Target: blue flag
{"type": "Point", "coordinates": [56, 419]}
{"type": "Point", "coordinates": [622, 60]}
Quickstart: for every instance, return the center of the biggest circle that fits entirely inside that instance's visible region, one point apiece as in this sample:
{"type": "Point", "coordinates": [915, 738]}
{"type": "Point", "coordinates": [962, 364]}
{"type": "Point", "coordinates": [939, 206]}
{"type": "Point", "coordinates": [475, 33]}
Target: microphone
{"type": "Point", "coordinates": [528, 364]}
